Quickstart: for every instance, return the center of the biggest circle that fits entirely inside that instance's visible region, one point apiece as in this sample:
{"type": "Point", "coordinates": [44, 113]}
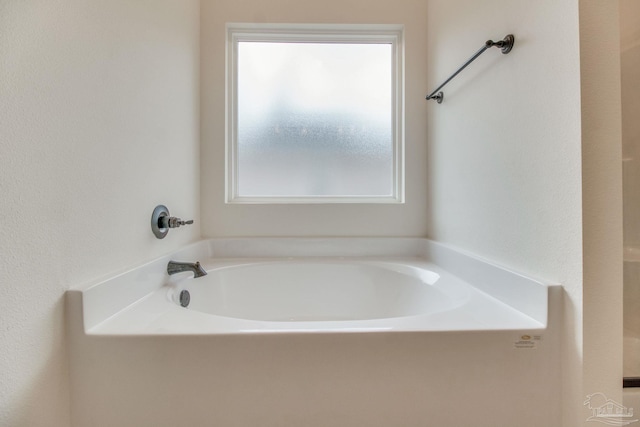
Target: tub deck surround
{"type": "Point", "coordinates": [438, 289]}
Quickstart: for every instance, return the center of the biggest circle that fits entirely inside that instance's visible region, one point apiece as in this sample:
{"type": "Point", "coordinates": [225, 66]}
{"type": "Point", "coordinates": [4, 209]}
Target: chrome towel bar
{"type": "Point", "coordinates": [505, 46]}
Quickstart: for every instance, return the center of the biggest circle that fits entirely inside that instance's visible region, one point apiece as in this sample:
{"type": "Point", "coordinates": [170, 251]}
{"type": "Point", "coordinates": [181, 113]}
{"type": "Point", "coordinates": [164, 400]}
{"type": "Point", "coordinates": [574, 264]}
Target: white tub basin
{"type": "Point", "coordinates": [294, 291]}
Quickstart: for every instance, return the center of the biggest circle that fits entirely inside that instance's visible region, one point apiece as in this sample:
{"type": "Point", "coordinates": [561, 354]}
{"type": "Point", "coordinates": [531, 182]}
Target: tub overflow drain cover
{"type": "Point", "coordinates": [185, 298]}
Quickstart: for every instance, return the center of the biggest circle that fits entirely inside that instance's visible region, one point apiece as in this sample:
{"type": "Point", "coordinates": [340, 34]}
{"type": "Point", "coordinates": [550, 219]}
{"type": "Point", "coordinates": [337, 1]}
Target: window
{"type": "Point", "coordinates": [314, 114]}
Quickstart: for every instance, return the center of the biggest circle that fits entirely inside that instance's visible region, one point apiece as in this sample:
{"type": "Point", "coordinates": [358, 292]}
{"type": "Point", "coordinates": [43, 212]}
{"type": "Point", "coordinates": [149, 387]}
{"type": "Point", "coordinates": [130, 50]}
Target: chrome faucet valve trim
{"type": "Point", "coordinates": [162, 221]}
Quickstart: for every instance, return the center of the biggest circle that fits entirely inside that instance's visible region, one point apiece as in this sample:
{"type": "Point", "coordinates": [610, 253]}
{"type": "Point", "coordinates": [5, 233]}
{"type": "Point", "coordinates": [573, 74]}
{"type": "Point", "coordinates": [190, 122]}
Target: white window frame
{"type": "Point", "coordinates": [318, 33]}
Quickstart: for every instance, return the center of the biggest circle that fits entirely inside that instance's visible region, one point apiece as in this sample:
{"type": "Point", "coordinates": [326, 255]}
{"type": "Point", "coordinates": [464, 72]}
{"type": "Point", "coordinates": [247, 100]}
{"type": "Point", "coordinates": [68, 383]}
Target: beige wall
{"type": "Point", "coordinates": [520, 155]}
{"type": "Point", "coordinates": [601, 204]}
{"type": "Point", "coordinates": [505, 149]}
{"type": "Point", "coordinates": [220, 219]}
{"type": "Point", "coordinates": [523, 154]}
{"type": "Point", "coordinates": [99, 111]}
{"type": "Point", "coordinates": [629, 24]}
{"type": "Point", "coordinates": [630, 67]}
{"type": "Point", "coordinates": [630, 72]}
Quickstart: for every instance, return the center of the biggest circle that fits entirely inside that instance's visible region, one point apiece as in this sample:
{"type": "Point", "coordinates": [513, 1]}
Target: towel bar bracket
{"type": "Point", "coordinates": [505, 44]}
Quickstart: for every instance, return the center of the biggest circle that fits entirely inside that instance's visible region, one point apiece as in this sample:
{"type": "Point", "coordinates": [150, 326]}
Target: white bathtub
{"type": "Point", "coordinates": [316, 332]}
{"type": "Point", "coordinates": [332, 285]}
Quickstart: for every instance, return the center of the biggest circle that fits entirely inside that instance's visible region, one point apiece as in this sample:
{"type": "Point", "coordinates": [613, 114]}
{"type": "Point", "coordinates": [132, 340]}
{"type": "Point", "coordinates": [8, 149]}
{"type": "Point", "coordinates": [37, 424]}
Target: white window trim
{"type": "Point", "coordinates": [326, 33]}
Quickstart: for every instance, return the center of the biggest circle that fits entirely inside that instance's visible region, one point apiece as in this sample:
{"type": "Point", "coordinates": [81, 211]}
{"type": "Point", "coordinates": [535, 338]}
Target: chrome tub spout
{"type": "Point", "coordinates": [178, 267]}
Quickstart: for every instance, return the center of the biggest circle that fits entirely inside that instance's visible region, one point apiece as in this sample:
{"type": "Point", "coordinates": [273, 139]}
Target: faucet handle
{"type": "Point", "coordinates": [174, 222]}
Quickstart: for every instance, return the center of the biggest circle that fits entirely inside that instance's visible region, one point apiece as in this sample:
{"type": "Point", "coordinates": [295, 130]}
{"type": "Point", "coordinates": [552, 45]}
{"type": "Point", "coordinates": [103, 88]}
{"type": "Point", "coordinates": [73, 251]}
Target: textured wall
{"type": "Point", "coordinates": [220, 219]}
{"type": "Point", "coordinates": [99, 123]}
{"type": "Point", "coordinates": [524, 162]}
{"type": "Point", "coordinates": [504, 147]}
{"type": "Point", "coordinates": [88, 90]}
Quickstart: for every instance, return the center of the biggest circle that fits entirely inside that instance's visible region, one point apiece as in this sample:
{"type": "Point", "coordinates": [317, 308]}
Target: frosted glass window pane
{"type": "Point", "coordinates": [314, 119]}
